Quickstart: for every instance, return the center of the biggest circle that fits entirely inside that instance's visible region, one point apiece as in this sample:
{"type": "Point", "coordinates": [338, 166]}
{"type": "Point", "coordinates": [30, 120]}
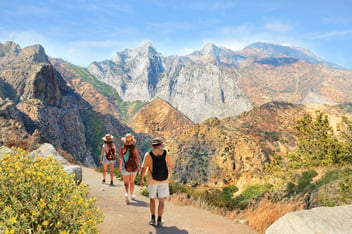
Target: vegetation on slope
{"type": "Point", "coordinates": [40, 197]}
{"type": "Point", "coordinates": [316, 173]}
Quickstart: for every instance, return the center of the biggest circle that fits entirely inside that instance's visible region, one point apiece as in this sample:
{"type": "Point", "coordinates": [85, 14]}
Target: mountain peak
{"type": "Point", "coordinates": [263, 49]}
{"type": "Point", "coordinates": [210, 48]}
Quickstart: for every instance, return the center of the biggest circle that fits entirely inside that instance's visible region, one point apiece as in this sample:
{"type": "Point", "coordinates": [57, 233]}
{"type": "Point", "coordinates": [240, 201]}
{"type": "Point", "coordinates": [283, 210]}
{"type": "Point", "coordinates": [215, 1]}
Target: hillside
{"type": "Point", "coordinates": [160, 119]}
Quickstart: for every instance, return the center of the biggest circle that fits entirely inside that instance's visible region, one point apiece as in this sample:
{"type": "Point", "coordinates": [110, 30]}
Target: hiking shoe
{"type": "Point", "coordinates": [103, 181]}
{"type": "Point", "coordinates": [133, 197]}
{"type": "Point", "coordinates": [160, 223]}
{"type": "Point", "coordinates": [126, 198]}
{"type": "Point", "coordinates": [152, 222]}
{"type": "Point", "coordinates": [111, 183]}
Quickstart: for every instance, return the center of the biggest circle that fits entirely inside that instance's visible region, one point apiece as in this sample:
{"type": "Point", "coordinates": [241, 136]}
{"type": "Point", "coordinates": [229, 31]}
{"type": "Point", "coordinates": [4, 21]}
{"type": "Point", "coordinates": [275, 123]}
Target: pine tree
{"type": "Point", "coordinates": [345, 133]}
{"type": "Point", "coordinates": [317, 144]}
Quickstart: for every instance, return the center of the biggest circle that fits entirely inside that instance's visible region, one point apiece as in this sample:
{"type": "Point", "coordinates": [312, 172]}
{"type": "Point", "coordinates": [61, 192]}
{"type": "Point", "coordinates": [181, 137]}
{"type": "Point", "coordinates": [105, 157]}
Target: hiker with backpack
{"type": "Point", "coordinates": [156, 166]}
{"type": "Point", "coordinates": [108, 157]}
{"type": "Point", "coordinates": [129, 164]}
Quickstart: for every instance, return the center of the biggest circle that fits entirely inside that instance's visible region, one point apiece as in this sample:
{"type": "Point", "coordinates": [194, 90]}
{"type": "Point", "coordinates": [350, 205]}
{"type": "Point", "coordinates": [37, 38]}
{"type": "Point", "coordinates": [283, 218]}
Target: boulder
{"type": "Point", "coordinates": [5, 150]}
{"type": "Point", "coordinates": [46, 150]}
{"type": "Point", "coordinates": [332, 220]}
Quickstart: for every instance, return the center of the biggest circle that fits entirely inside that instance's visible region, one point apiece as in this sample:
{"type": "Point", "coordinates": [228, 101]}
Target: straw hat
{"type": "Point", "coordinates": [108, 138]}
{"type": "Point", "coordinates": [157, 141]}
{"type": "Point", "coordinates": [128, 139]}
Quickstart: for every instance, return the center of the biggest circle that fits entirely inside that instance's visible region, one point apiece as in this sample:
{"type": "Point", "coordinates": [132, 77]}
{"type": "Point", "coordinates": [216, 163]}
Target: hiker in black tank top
{"type": "Point", "coordinates": [157, 165]}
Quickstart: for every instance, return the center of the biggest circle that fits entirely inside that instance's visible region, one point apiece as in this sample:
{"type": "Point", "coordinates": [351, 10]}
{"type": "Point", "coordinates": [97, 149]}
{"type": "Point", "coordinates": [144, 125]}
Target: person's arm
{"type": "Point", "coordinates": [169, 162]}
{"type": "Point", "coordinates": [121, 158]}
{"type": "Point", "coordinates": [138, 161]}
{"type": "Point", "coordinates": [144, 169]}
{"type": "Point", "coordinates": [102, 154]}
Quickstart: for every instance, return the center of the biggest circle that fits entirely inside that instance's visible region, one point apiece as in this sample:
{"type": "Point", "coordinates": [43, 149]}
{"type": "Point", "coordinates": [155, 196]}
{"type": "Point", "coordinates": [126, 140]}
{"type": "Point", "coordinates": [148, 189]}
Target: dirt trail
{"type": "Point", "coordinates": [134, 218]}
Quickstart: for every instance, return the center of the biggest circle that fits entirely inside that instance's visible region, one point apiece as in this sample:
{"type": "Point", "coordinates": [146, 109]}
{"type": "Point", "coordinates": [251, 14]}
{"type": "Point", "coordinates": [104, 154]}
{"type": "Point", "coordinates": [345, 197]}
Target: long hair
{"type": "Point", "coordinates": [130, 148]}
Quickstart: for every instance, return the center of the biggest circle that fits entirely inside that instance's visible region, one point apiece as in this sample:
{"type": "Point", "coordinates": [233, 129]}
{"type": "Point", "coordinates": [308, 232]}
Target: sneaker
{"type": "Point", "coordinates": [160, 223]}
{"type": "Point", "coordinates": [103, 181]}
{"type": "Point", "coordinates": [111, 183]}
{"type": "Point", "coordinates": [126, 198]}
{"type": "Point", "coordinates": [152, 222]}
{"type": "Point", "coordinates": [133, 197]}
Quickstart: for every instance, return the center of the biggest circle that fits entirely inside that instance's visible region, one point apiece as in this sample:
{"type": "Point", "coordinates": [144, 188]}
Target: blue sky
{"type": "Point", "coordinates": [83, 31]}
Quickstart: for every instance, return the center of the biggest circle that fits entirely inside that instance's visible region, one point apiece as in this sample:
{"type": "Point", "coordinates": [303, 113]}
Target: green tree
{"type": "Point", "coordinates": [345, 132]}
{"type": "Point", "coordinates": [317, 144]}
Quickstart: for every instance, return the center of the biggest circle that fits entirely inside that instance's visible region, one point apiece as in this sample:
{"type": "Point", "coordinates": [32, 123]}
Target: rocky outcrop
{"type": "Point", "coordinates": [160, 119]}
{"type": "Point", "coordinates": [47, 150]}
{"type": "Point", "coordinates": [332, 220]}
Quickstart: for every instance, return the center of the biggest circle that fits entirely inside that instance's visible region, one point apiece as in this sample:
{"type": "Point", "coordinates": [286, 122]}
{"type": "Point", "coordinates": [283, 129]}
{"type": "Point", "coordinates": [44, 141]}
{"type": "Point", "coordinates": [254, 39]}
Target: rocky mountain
{"type": "Point", "coordinates": [189, 86]}
{"type": "Point", "coordinates": [160, 119]}
{"type": "Point", "coordinates": [223, 81]}
{"type": "Point", "coordinates": [38, 106]}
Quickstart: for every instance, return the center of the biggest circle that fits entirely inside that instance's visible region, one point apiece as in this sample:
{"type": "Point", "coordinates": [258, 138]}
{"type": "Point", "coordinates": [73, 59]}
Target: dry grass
{"type": "Point", "coordinates": [267, 212]}
{"type": "Point", "coordinates": [259, 215]}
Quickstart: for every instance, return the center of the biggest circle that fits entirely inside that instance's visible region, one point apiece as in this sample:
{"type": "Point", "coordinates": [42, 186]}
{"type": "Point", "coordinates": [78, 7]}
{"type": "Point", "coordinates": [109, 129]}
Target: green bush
{"type": "Point", "coordinates": [40, 197]}
{"type": "Point", "coordinates": [254, 191]}
{"type": "Point", "coordinates": [345, 186]}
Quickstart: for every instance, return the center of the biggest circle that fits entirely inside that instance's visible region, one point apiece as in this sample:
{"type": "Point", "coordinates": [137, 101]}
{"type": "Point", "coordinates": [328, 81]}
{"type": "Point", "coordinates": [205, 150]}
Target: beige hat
{"type": "Point", "coordinates": [108, 138]}
{"type": "Point", "coordinates": [128, 139]}
{"type": "Point", "coordinates": [157, 141]}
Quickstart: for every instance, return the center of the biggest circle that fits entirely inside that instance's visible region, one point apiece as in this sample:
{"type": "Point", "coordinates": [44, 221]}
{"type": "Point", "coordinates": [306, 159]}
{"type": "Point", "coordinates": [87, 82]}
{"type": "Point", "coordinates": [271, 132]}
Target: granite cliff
{"type": "Point", "coordinates": [38, 105]}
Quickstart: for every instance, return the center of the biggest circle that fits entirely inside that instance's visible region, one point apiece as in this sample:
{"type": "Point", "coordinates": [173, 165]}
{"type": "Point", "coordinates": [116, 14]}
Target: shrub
{"type": "Point", "coordinates": [345, 186]}
{"type": "Point", "coordinates": [40, 197]}
{"type": "Point", "coordinates": [254, 191]}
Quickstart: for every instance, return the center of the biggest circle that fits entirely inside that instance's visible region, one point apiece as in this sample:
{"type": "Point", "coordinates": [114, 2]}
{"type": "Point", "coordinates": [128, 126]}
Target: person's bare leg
{"type": "Point", "coordinates": [152, 206]}
{"type": "Point", "coordinates": [105, 166]}
{"type": "Point", "coordinates": [125, 182]}
{"type": "Point", "coordinates": [132, 178]}
{"type": "Point", "coordinates": [111, 170]}
{"type": "Point", "coordinates": [161, 207]}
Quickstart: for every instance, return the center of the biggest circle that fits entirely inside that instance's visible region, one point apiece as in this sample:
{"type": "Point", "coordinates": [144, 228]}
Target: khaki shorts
{"type": "Point", "coordinates": [161, 189]}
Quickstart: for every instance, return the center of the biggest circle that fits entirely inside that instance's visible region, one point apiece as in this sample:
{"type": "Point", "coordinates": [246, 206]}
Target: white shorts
{"type": "Point", "coordinates": [162, 189]}
{"type": "Point", "coordinates": [106, 161]}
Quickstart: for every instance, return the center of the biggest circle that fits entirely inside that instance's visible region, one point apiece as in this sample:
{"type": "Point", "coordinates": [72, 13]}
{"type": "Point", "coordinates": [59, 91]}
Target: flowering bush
{"type": "Point", "coordinates": [40, 197]}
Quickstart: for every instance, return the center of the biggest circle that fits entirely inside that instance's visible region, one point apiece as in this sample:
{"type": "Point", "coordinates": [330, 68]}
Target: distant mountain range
{"type": "Point", "coordinates": [221, 112]}
{"type": "Point", "coordinates": [218, 82]}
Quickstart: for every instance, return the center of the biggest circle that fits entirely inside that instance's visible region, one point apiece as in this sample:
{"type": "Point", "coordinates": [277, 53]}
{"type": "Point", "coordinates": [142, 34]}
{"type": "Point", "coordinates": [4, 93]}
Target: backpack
{"type": "Point", "coordinates": [111, 154]}
{"type": "Point", "coordinates": [160, 171]}
{"type": "Point", "coordinates": [130, 161]}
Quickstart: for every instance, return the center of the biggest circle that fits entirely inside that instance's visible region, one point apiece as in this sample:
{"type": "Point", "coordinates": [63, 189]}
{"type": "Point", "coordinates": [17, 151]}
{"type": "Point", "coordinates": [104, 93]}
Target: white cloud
{"type": "Point", "coordinates": [333, 20]}
{"type": "Point", "coordinates": [25, 38]}
{"type": "Point", "coordinates": [95, 44]}
{"type": "Point", "coordinates": [332, 34]}
{"type": "Point", "coordinates": [278, 27]}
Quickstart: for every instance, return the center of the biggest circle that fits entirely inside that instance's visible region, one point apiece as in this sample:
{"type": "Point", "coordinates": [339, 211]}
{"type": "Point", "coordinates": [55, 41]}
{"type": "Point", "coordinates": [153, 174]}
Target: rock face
{"type": "Point", "coordinates": [36, 101]}
{"type": "Point", "coordinates": [142, 74]}
{"type": "Point", "coordinates": [332, 220]}
{"type": "Point", "coordinates": [160, 119]}
{"type": "Point", "coordinates": [218, 82]}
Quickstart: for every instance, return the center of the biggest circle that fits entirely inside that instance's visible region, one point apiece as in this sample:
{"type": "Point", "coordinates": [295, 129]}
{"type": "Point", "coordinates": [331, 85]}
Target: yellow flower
{"type": "Point", "coordinates": [13, 220]}
{"type": "Point", "coordinates": [7, 231]}
{"type": "Point", "coordinates": [45, 223]}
